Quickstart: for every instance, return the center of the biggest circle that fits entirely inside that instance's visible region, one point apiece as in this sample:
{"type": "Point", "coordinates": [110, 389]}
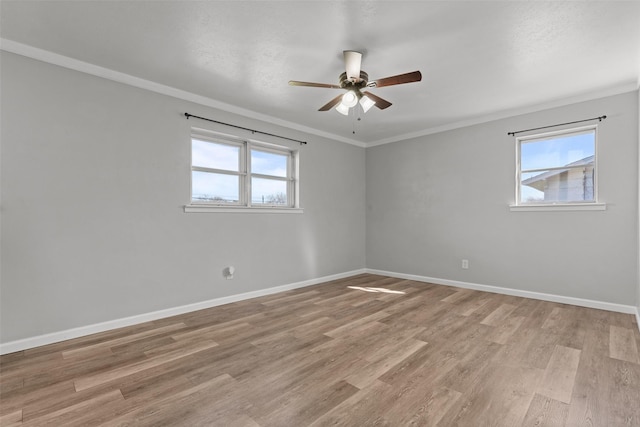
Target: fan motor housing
{"type": "Point", "coordinates": [361, 83]}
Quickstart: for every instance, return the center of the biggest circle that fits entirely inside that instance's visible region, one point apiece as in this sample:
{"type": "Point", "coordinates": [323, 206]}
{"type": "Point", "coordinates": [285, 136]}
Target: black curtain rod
{"type": "Point", "coordinates": [187, 115]}
{"type": "Point", "coordinates": [601, 118]}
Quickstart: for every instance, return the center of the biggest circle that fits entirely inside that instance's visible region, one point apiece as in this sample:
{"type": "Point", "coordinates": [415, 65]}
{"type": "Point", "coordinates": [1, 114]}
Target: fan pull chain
{"type": "Point", "coordinates": [356, 118]}
{"type": "Point", "coordinates": [353, 122]}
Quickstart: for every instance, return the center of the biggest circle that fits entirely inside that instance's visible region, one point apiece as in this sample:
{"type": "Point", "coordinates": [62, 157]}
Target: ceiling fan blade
{"type": "Point", "coordinates": [329, 105]}
{"type": "Point", "coordinates": [352, 62]}
{"type": "Point", "coordinates": [380, 103]}
{"type": "Point", "coordinates": [414, 76]}
{"type": "Point", "coordinates": [309, 84]}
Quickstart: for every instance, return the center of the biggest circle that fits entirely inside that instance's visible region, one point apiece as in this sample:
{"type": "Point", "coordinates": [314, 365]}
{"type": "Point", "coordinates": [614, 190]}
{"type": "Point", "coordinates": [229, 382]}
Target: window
{"type": "Point", "coordinates": [269, 177]}
{"type": "Point", "coordinates": [234, 173]}
{"type": "Point", "coordinates": [216, 172]}
{"type": "Point", "coordinates": [557, 168]}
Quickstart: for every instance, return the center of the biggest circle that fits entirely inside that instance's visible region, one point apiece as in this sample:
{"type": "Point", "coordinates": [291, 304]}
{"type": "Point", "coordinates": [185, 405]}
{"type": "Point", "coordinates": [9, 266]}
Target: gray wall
{"type": "Point", "coordinates": [95, 175]}
{"type": "Point", "coordinates": [434, 200]}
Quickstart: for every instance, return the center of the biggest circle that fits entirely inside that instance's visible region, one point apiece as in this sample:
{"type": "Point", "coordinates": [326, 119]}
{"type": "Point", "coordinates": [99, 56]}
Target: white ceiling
{"type": "Point", "coordinates": [479, 59]}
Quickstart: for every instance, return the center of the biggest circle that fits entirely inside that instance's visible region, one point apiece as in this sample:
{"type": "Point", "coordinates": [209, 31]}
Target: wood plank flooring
{"type": "Point", "coordinates": [363, 351]}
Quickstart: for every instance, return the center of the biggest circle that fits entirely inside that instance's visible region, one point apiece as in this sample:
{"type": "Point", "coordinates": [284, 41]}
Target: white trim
{"type": "Point", "coordinates": [245, 174]}
{"type": "Point", "coordinates": [27, 343]}
{"type": "Point", "coordinates": [240, 209]}
{"type": "Point", "coordinates": [116, 76]}
{"type": "Point", "coordinates": [601, 305]}
{"type": "Point", "coordinates": [638, 223]}
{"type": "Point", "coordinates": [559, 207]}
{"type": "Point", "coordinates": [615, 90]}
{"type": "Point", "coordinates": [32, 342]}
{"type": "Point", "coordinates": [85, 67]}
{"type": "Point", "coordinates": [547, 136]}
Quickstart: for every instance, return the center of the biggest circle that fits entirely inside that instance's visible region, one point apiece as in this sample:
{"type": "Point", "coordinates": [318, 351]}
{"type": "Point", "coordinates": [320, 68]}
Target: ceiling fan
{"type": "Point", "coordinates": [354, 80]}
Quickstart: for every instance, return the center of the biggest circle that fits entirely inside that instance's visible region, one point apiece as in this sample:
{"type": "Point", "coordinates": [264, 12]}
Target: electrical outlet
{"type": "Point", "coordinates": [465, 264]}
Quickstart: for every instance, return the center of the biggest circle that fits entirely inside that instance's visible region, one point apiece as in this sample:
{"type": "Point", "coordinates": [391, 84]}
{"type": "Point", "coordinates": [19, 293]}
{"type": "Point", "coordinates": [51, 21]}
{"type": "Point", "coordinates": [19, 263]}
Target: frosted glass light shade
{"type": "Point", "coordinates": [366, 103]}
{"type": "Point", "coordinates": [349, 99]}
{"type": "Point", "coordinates": [342, 109]}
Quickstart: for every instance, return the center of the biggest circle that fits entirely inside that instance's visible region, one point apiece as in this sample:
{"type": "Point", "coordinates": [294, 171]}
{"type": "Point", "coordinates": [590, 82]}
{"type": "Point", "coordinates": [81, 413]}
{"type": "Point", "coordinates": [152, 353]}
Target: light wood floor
{"type": "Point", "coordinates": [403, 353]}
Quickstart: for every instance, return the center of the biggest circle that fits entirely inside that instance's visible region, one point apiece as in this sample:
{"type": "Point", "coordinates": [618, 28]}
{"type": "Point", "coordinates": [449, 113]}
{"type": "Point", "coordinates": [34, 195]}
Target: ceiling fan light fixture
{"type": "Point", "coordinates": [354, 80]}
{"type": "Point", "coordinates": [349, 99]}
{"type": "Point", "coordinates": [342, 109]}
{"type": "Point", "coordinates": [366, 103]}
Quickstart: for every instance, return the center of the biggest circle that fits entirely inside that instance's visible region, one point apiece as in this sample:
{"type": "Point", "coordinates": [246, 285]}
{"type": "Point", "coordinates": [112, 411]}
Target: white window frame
{"type": "Point", "coordinates": [241, 173]}
{"type": "Point", "coordinates": [557, 206]}
{"type": "Point", "coordinates": [245, 175]}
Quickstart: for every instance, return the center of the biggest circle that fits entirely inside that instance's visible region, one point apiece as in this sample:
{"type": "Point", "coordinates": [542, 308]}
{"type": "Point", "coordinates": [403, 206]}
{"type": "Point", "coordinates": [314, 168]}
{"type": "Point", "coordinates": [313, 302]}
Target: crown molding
{"type": "Point", "coordinates": [109, 74]}
{"type": "Point", "coordinates": [614, 90]}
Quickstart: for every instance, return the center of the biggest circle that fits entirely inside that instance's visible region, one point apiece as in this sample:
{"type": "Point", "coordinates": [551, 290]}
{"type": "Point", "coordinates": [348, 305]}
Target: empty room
{"type": "Point", "coordinates": [313, 213]}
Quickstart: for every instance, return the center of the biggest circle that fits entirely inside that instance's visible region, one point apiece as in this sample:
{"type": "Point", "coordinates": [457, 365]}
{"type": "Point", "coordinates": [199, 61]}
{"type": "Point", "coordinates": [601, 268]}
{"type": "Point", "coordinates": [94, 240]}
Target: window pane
{"type": "Point", "coordinates": [557, 186]}
{"type": "Point", "coordinates": [268, 192]}
{"type": "Point", "coordinates": [214, 187]}
{"type": "Point", "coordinates": [216, 156]}
{"type": "Point", "coordinates": [266, 163]}
{"type": "Point", "coordinates": [558, 151]}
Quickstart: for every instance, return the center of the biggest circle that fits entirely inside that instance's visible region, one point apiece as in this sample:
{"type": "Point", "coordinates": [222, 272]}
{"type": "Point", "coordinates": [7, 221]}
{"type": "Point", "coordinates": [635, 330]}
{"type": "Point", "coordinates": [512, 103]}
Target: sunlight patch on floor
{"type": "Point", "coordinates": [381, 290]}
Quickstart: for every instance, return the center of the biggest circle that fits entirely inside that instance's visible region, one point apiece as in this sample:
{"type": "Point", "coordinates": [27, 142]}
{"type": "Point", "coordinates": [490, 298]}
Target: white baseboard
{"type": "Point", "coordinates": [629, 309]}
{"type": "Point", "coordinates": [27, 343]}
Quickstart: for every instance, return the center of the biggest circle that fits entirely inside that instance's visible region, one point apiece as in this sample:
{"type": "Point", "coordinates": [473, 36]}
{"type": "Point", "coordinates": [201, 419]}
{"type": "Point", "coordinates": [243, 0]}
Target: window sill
{"type": "Point", "coordinates": [559, 207]}
{"type": "Point", "coordinates": [240, 209]}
